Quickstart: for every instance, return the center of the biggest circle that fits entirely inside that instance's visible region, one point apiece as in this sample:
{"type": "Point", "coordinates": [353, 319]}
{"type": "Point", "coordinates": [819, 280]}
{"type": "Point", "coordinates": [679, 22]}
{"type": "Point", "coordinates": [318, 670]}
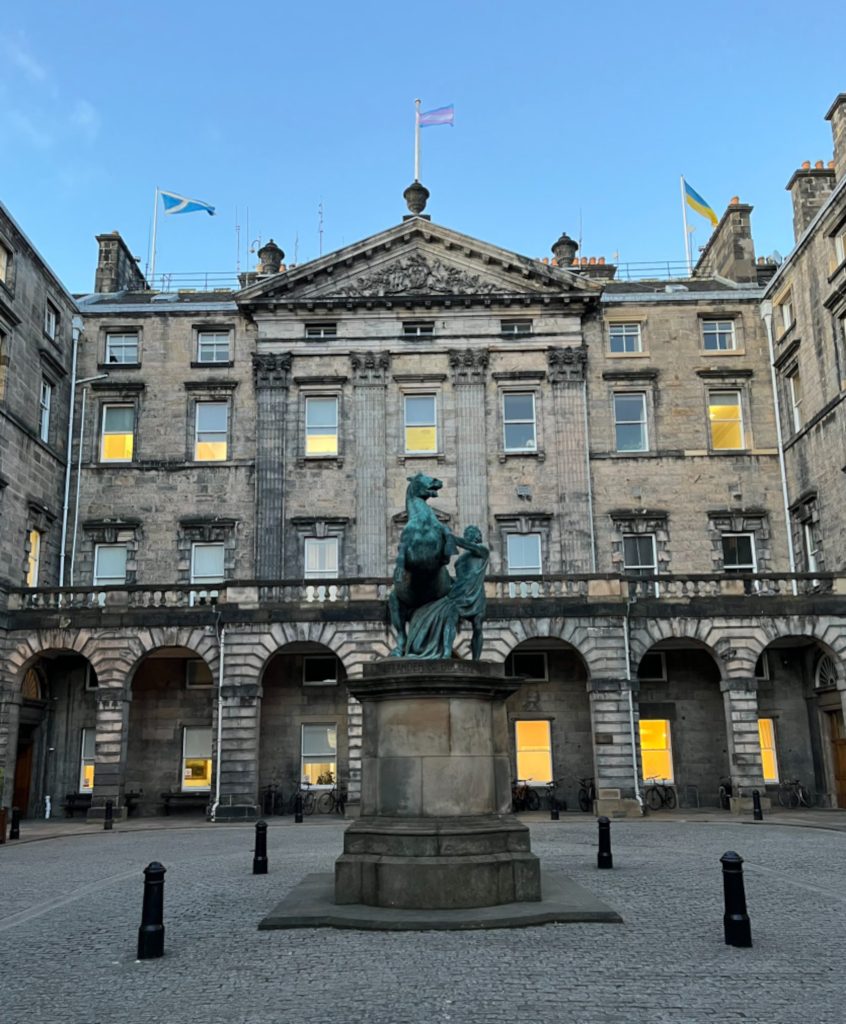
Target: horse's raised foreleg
{"type": "Point", "coordinates": [398, 621]}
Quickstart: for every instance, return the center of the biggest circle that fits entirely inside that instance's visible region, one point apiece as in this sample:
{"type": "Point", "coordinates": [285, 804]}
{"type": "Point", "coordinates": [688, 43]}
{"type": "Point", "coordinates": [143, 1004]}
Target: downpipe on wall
{"type": "Point", "coordinates": [632, 734]}
{"type": "Point", "coordinates": [221, 647]}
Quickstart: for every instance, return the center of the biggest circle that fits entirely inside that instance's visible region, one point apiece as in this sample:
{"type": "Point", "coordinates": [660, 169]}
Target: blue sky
{"type": "Point", "coordinates": [565, 114]}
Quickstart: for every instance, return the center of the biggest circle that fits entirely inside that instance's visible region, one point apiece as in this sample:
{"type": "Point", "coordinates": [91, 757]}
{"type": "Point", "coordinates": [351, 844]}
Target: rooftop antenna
{"type": "Point", "coordinates": [580, 229]}
{"type": "Point", "coordinates": [237, 243]}
{"type": "Point", "coordinates": [320, 228]}
{"type": "Point", "coordinates": [296, 249]}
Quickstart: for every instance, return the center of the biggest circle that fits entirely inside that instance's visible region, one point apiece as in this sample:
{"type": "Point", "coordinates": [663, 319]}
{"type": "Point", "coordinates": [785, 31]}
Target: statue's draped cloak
{"type": "Point", "coordinates": [466, 600]}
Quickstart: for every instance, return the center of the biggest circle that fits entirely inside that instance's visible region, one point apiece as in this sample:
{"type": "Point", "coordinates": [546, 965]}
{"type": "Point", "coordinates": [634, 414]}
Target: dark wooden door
{"type": "Point", "coordinates": [838, 756]}
{"type": "Point", "coordinates": [23, 775]}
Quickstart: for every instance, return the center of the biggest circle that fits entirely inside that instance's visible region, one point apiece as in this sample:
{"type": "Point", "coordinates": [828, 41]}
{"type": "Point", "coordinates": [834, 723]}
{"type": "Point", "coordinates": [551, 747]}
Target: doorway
{"type": "Point", "coordinates": [838, 755]}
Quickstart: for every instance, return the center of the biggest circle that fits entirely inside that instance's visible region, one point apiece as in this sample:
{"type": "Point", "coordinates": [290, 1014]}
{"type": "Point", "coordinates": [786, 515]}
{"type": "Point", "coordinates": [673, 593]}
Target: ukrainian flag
{"type": "Point", "coordinates": [696, 202]}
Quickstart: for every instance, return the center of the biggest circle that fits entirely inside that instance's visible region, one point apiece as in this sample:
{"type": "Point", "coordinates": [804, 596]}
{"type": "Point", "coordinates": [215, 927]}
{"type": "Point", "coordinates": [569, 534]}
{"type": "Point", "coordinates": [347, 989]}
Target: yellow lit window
{"type": "Point", "coordinates": [320, 754]}
{"type": "Point", "coordinates": [33, 559]}
{"type": "Point", "coordinates": [116, 444]}
{"type": "Point", "coordinates": [726, 419]}
{"type": "Point", "coordinates": [196, 758]}
{"type": "Point", "coordinates": [655, 749]}
{"type": "Point", "coordinates": [86, 768]}
{"type": "Point", "coordinates": [212, 422]}
{"type": "Point", "coordinates": [421, 431]}
{"type": "Point", "coordinates": [321, 426]}
{"type": "Point", "coordinates": [769, 762]}
{"type": "Point", "coordinates": [534, 750]}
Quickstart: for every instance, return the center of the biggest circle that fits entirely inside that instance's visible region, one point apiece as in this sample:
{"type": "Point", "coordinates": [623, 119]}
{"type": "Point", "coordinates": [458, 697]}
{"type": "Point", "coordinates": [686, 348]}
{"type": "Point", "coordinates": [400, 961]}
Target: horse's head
{"type": "Point", "coordinates": [422, 486]}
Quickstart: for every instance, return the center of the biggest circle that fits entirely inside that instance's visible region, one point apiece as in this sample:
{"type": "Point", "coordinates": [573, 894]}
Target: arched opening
{"type": "Point", "coordinates": [169, 758]}
{"type": "Point", "coordinates": [56, 718]}
{"type": "Point", "coordinates": [682, 721]}
{"type": "Point", "coordinates": [801, 718]}
{"type": "Point", "coordinates": [549, 717]}
{"type": "Point", "coordinates": [303, 732]}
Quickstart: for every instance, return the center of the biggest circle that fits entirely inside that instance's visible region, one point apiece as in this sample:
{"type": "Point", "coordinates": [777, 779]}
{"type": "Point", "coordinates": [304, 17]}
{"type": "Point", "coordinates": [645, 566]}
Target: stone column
{"type": "Point", "coordinates": [740, 696]}
{"type": "Point", "coordinates": [567, 436]}
{"type": "Point", "coordinates": [370, 375]}
{"type": "Point", "coordinates": [613, 758]}
{"type": "Point", "coordinates": [469, 378]}
{"type": "Point", "coordinates": [9, 717]}
{"type": "Point", "coordinates": [272, 375]}
{"type": "Point", "coordinates": [110, 743]}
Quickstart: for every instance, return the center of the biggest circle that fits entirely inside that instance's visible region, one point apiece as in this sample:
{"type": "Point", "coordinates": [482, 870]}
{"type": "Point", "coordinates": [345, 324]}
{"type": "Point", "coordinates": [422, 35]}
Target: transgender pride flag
{"type": "Point", "coordinates": [441, 115]}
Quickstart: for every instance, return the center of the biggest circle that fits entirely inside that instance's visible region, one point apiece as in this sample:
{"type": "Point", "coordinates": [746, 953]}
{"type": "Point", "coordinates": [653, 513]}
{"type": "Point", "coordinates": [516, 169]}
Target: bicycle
{"type": "Point", "coordinates": [303, 791]}
{"type": "Point", "coordinates": [792, 793]}
{"type": "Point", "coordinates": [523, 797]}
{"type": "Point", "coordinates": [659, 794]}
{"type": "Point", "coordinates": [334, 799]}
{"type": "Point", "coordinates": [554, 803]}
{"type": "Point", "coordinates": [587, 793]}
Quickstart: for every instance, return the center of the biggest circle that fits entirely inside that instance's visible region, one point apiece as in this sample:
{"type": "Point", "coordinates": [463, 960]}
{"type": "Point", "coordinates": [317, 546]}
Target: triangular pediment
{"type": "Point", "coordinates": [418, 259]}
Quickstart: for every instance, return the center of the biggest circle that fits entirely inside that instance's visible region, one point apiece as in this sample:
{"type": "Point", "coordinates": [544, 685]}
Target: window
{"type": "Point", "coordinates": [196, 758]}
{"type": "Point", "coordinates": [769, 762]}
{"type": "Point", "coordinates": [524, 554]}
{"type": "Point", "coordinates": [530, 664]}
{"type": "Point", "coordinates": [197, 674]}
{"type": "Point", "coordinates": [639, 554]}
{"type": "Point", "coordinates": [630, 433]}
{"type": "Point", "coordinates": [122, 347]}
{"type": "Point", "coordinates": [207, 563]}
{"type": "Point", "coordinates": [518, 419]}
{"type": "Point", "coordinates": [653, 667]}
{"type": "Point", "coordinates": [319, 670]}
{"type": "Point", "coordinates": [319, 764]}
{"type": "Point", "coordinates": [718, 335]}
{"type": "Point", "coordinates": [86, 761]}
{"type": "Point", "coordinates": [534, 750]}
{"type": "Point", "coordinates": [421, 430]}
{"type": "Point", "coordinates": [211, 431]}
{"type": "Point", "coordinates": [51, 321]}
{"type": "Point", "coordinates": [418, 328]}
{"type": "Point", "coordinates": [321, 330]}
{"type": "Point", "coordinates": [117, 441]}
{"type": "Point", "coordinates": [726, 420]}
{"type": "Point", "coordinates": [739, 552]}
{"type": "Point", "coordinates": [33, 558]}
{"type": "Point", "coordinates": [321, 426]}
{"type": "Point", "coordinates": [109, 565]}
{"type": "Point", "coordinates": [320, 558]}
{"type": "Point", "coordinates": [44, 410]}
{"type": "Point", "coordinates": [212, 346]}
{"type": "Point", "coordinates": [840, 246]}
{"type": "Point", "coordinates": [624, 338]}
{"type": "Point", "coordinates": [5, 264]}
{"type": "Point", "coordinates": [786, 311]}
{"type": "Point", "coordinates": [794, 386]}
{"type": "Point", "coordinates": [515, 326]}
{"type": "Point", "coordinates": [809, 539]}
{"type": "Point", "coordinates": [656, 750]}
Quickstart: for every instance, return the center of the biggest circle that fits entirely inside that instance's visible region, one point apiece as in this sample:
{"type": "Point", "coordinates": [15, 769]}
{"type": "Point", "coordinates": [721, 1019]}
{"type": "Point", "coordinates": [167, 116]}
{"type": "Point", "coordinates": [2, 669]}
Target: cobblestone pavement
{"type": "Point", "coordinates": [70, 909]}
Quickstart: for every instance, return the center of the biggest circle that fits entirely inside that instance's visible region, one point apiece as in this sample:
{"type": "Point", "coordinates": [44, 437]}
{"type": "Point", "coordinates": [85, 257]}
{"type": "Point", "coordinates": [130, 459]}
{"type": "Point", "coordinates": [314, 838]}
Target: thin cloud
{"type": "Point", "coordinates": [19, 122]}
{"type": "Point", "coordinates": [85, 119]}
{"type": "Point", "coordinates": [23, 59]}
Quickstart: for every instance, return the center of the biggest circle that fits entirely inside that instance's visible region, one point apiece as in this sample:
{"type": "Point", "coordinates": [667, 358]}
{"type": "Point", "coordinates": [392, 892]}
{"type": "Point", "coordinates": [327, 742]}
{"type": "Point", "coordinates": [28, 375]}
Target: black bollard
{"type": "Point", "coordinates": [108, 822]}
{"type": "Point", "coordinates": [298, 809]}
{"type": "Point", "coordinates": [735, 920]}
{"type": "Point", "coordinates": [757, 813]}
{"type": "Point", "coordinates": [603, 857]}
{"type": "Point", "coordinates": [15, 829]}
{"type": "Point", "coordinates": [260, 856]}
{"type": "Point", "coordinates": [151, 932]}
{"type": "Point", "coordinates": [553, 809]}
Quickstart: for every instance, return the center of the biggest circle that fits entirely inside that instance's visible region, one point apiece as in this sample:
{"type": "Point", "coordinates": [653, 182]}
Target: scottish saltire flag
{"type": "Point", "coordinates": [696, 202]}
{"type": "Point", "coordinates": [441, 115]}
{"type": "Point", "coordinates": [174, 203]}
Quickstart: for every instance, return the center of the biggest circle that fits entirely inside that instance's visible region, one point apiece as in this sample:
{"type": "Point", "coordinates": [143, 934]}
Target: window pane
{"type": "Point", "coordinates": [321, 426]}
{"type": "Point", "coordinates": [207, 563]}
{"type": "Point", "coordinates": [519, 407]}
{"type": "Point", "coordinates": [656, 753]}
{"type": "Point", "coordinates": [524, 553]}
{"type": "Point", "coordinates": [769, 763]}
{"type": "Point", "coordinates": [520, 437]}
{"type": "Point", "coordinates": [121, 348]}
{"type": "Point", "coordinates": [212, 416]}
{"type": "Point", "coordinates": [321, 557]}
{"type": "Point", "coordinates": [738, 551]}
{"type": "Point", "coordinates": [534, 750]}
{"type": "Point", "coordinates": [213, 346]}
{"type": "Point", "coordinates": [118, 419]}
{"type": "Point", "coordinates": [726, 422]}
{"type": "Point", "coordinates": [110, 563]}
{"type": "Point", "coordinates": [319, 740]}
{"type": "Point", "coordinates": [631, 437]}
{"type": "Point", "coordinates": [629, 408]}
{"type": "Point", "coordinates": [34, 558]}
{"type": "Point", "coordinates": [419, 410]}
{"type": "Point", "coordinates": [639, 552]}
{"type": "Point", "coordinates": [118, 430]}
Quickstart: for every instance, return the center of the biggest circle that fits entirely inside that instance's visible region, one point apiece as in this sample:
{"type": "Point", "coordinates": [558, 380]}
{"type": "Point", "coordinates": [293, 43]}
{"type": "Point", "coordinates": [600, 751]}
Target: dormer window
{"type": "Point", "coordinates": [321, 330]}
{"type": "Point", "coordinates": [418, 328]}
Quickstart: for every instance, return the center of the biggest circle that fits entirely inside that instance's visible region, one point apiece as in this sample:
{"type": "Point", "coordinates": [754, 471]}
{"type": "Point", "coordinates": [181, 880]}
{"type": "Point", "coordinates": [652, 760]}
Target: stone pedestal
{"type": "Point", "coordinates": [436, 829]}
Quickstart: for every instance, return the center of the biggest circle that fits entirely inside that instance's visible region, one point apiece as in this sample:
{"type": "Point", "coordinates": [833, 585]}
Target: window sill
{"type": "Point", "coordinates": [223, 364]}
{"type": "Point", "coordinates": [320, 460]}
{"type": "Point", "coordinates": [627, 355]}
{"type": "Point", "coordinates": [722, 352]}
{"type": "Point", "coordinates": [118, 366]}
{"type": "Point", "coordinates": [538, 454]}
{"type": "Point", "coordinates": [439, 457]}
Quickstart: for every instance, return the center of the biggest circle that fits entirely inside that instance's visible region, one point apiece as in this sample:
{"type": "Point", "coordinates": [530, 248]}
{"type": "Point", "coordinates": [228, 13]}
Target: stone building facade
{"type": "Point", "coordinates": [243, 458]}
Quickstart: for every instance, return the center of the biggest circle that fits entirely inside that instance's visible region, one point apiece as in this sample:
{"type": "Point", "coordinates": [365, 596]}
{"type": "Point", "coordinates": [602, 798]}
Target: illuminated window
{"type": "Point", "coordinates": [321, 426]}
{"type": "Point", "coordinates": [211, 430]}
{"type": "Point", "coordinates": [213, 346]}
{"type": "Point", "coordinates": [726, 420]}
{"type": "Point", "coordinates": [122, 347]}
{"type": "Point", "coordinates": [515, 326]}
{"type": "Point", "coordinates": [524, 554]}
{"type": "Point", "coordinates": [44, 404]}
{"type": "Point", "coordinates": [109, 565]}
{"type": "Point", "coordinates": [518, 418]}
{"type": "Point", "coordinates": [86, 762]}
{"type": "Point", "coordinates": [320, 558]}
{"type": "Point", "coordinates": [655, 749]}
{"type": "Point", "coordinates": [321, 330]}
{"type": "Point", "coordinates": [769, 762]}
{"type": "Point", "coordinates": [421, 430]}
{"type": "Point", "coordinates": [51, 321]}
{"type": "Point", "coordinates": [739, 552]}
{"type": "Point", "coordinates": [718, 335]}
{"type": "Point", "coordinates": [319, 764]}
{"type": "Point", "coordinates": [196, 758]}
{"type": "Point", "coordinates": [794, 384]}
{"type": "Point", "coordinates": [207, 563]}
{"type": "Point", "coordinates": [534, 750]}
{"type": "Point", "coordinates": [630, 433]}
{"type": "Point", "coordinates": [33, 558]}
{"type": "Point", "coordinates": [118, 436]}
{"type": "Point", "coordinates": [624, 338]}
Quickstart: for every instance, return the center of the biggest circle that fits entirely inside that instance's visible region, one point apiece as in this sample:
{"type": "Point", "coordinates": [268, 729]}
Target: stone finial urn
{"type": "Point", "coordinates": [271, 257]}
{"type": "Point", "coordinates": [564, 250]}
{"type": "Point", "coordinates": [416, 197]}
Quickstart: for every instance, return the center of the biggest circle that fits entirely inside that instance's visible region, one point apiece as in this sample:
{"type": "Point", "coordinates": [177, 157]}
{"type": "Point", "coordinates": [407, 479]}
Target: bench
{"type": "Point", "coordinates": [76, 802]}
{"type": "Point", "coordinates": [185, 801]}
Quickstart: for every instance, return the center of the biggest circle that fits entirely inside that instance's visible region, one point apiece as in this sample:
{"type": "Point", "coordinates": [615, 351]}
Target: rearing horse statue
{"type": "Point", "coordinates": [425, 548]}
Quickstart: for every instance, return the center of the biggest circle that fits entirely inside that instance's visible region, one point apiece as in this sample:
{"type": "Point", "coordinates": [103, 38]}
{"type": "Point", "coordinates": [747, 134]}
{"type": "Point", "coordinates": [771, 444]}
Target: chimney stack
{"type": "Point", "coordinates": [730, 251]}
{"type": "Point", "coordinates": [837, 116]}
{"type": "Point", "coordinates": [117, 268]}
{"type": "Point", "coordinates": [809, 188]}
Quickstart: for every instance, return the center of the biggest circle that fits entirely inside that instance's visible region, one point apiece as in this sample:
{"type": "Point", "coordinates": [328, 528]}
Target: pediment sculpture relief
{"type": "Point", "coordinates": [417, 275]}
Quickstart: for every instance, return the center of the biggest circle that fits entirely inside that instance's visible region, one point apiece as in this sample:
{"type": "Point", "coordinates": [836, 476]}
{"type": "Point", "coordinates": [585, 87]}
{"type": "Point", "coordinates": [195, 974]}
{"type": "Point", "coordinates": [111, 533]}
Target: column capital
{"type": "Point", "coordinates": [739, 684]}
{"type": "Point", "coordinates": [370, 369]}
{"type": "Point", "coordinates": [272, 369]}
{"type": "Point", "coordinates": [566, 364]}
{"type": "Point", "coordinates": [468, 365]}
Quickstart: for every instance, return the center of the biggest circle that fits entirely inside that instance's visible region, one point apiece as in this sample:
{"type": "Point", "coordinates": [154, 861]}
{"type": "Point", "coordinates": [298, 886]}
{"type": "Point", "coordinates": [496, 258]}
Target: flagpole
{"type": "Point", "coordinates": [155, 225]}
{"type": "Point", "coordinates": [686, 235]}
{"type": "Point", "coordinates": [417, 140]}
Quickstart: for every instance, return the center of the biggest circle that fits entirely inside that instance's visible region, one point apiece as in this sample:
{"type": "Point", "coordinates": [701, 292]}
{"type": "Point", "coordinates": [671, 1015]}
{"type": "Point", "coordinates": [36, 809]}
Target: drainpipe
{"type": "Point", "coordinates": [632, 735]}
{"type": "Point", "coordinates": [221, 647]}
{"type": "Point", "coordinates": [767, 317]}
{"type": "Point", "coordinates": [76, 323]}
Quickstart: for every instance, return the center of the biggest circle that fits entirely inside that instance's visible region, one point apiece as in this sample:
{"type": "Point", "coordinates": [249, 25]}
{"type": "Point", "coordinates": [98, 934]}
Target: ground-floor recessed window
{"type": "Point", "coordinates": [656, 749]}
{"type": "Point", "coordinates": [196, 758]}
{"type": "Point", "coordinates": [320, 754]}
{"type": "Point", "coordinates": [769, 761]}
{"type": "Point", "coordinates": [534, 750]}
{"type": "Point", "coordinates": [86, 762]}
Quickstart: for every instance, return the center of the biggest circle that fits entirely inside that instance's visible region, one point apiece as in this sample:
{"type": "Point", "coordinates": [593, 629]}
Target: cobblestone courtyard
{"type": "Point", "coordinates": [70, 909]}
